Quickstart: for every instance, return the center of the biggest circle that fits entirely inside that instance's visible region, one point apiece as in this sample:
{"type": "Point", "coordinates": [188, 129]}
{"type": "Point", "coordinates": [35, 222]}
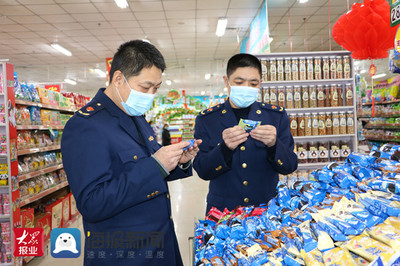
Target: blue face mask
{"type": "Point", "coordinates": [243, 96]}
{"type": "Point", "coordinates": [137, 103]}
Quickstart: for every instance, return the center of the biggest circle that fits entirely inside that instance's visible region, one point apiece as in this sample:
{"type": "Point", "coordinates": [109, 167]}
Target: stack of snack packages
{"type": "Point", "coordinates": [5, 247]}
{"type": "Point", "coordinates": [344, 214]}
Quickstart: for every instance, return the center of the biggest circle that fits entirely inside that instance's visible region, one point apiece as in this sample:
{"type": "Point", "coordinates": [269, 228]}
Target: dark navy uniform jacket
{"type": "Point", "coordinates": [253, 174]}
{"type": "Point", "coordinates": [120, 190]}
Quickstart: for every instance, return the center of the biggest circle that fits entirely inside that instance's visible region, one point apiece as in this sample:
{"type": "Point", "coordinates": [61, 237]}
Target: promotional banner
{"type": "Point", "coordinates": [55, 87]}
{"type": "Point", "coordinates": [257, 42]}
{"type": "Point", "coordinates": [12, 144]}
{"type": "Point", "coordinates": [108, 62]}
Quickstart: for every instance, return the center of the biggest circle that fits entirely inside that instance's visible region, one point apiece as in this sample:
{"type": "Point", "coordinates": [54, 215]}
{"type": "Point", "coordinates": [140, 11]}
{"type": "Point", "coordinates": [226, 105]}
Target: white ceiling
{"type": "Point", "coordinates": [184, 31]}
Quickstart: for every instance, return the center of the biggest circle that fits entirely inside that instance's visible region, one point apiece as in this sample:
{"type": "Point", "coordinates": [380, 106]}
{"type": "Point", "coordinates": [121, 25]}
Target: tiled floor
{"type": "Point", "coordinates": [188, 200]}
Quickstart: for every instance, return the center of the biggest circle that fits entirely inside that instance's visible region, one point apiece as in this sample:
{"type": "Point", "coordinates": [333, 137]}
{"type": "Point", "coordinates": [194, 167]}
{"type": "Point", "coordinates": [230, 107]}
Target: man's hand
{"type": "Point", "coordinates": [190, 153]}
{"type": "Point", "coordinates": [266, 134]}
{"type": "Point", "coordinates": [170, 155]}
{"type": "Point", "coordinates": [234, 136]}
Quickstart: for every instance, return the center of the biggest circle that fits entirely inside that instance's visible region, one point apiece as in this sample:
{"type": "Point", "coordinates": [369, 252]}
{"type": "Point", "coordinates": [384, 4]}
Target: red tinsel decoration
{"type": "Point", "coordinates": [365, 30]}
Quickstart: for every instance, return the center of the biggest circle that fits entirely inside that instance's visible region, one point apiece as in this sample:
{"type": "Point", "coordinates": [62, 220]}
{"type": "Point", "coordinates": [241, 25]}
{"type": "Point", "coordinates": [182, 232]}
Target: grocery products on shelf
{"type": "Point", "coordinates": [309, 96]}
{"type": "Point", "coordinates": [28, 139]}
{"type": "Point", "coordinates": [317, 91]}
{"type": "Point", "coordinates": [388, 110]}
{"type": "Point", "coordinates": [340, 214]}
{"type": "Point", "coordinates": [305, 67]}
{"type": "Point", "coordinates": [322, 123]}
{"type": "Point", "coordinates": [38, 184]}
{"type": "Point", "coordinates": [34, 115]}
{"type": "Point", "coordinates": [320, 152]}
{"type": "Point", "coordinates": [5, 243]}
{"type": "Point", "coordinates": [34, 162]}
{"type": "Point", "coordinates": [32, 94]}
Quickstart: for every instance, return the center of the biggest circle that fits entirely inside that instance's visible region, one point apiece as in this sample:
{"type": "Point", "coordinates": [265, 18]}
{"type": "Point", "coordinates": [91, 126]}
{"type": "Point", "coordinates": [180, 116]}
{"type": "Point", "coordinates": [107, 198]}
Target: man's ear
{"type": "Point", "coordinates": [226, 82]}
{"type": "Point", "coordinates": [118, 79]}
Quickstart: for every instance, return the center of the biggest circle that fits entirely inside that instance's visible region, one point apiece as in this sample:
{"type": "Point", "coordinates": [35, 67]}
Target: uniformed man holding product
{"type": "Point", "coordinates": [246, 144]}
{"type": "Point", "coordinates": [117, 171]}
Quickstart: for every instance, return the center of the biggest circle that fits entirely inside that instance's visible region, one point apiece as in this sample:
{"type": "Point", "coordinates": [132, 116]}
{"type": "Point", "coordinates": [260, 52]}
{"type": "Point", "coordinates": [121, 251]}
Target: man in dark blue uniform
{"type": "Point", "coordinates": [243, 167]}
{"type": "Point", "coordinates": [117, 171]}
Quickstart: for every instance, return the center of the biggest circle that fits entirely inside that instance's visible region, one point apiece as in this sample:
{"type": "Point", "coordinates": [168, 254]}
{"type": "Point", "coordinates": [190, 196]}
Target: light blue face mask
{"type": "Point", "coordinates": [137, 103]}
{"type": "Point", "coordinates": [243, 96]}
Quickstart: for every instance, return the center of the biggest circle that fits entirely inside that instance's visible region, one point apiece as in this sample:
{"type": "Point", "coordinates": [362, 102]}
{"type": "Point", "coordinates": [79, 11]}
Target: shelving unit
{"type": "Point", "coordinates": [26, 176]}
{"type": "Point", "coordinates": [320, 138]}
{"type": "Point", "coordinates": [38, 127]}
{"type": "Point", "coordinates": [10, 158]}
{"type": "Point", "coordinates": [46, 106]}
{"type": "Point", "coordinates": [42, 149]}
{"type": "Point", "coordinates": [42, 194]}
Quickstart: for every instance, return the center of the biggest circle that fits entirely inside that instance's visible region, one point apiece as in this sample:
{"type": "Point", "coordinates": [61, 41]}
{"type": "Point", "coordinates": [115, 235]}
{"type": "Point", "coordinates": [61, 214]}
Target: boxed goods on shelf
{"type": "Point", "coordinates": [5, 244]}
{"type": "Point", "coordinates": [28, 218]}
{"type": "Point", "coordinates": [3, 174]}
{"type": "Point", "coordinates": [5, 204]}
{"type": "Point", "coordinates": [340, 214]}
{"type": "Point", "coordinates": [72, 206]}
{"type": "Point", "coordinates": [56, 212]}
{"type": "Point", "coordinates": [66, 209]}
{"type": "Point", "coordinates": [44, 221]}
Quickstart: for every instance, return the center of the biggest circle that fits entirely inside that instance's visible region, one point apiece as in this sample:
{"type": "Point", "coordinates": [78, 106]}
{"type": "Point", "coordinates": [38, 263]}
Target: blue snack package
{"type": "Point", "coordinates": [191, 143]}
{"type": "Point", "coordinates": [360, 159]}
{"type": "Point", "coordinates": [283, 195]}
{"type": "Point", "coordinates": [238, 232]}
{"type": "Point", "coordinates": [222, 231]}
{"type": "Point", "coordinates": [248, 124]}
{"type": "Point", "coordinates": [332, 230]}
{"type": "Point", "coordinates": [363, 173]}
{"type": "Point", "coordinates": [310, 243]}
{"type": "Point", "coordinates": [344, 180]}
{"type": "Point", "coordinates": [342, 225]}
{"type": "Point", "coordinates": [325, 176]}
{"type": "Point", "coordinates": [34, 93]}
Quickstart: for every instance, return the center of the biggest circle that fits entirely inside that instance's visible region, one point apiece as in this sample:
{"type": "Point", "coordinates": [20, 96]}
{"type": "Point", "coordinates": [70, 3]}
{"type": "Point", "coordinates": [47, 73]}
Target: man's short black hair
{"type": "Point", "coordinates": [242, 60]}
{"type": "Point", "coordinates": [133, 56]}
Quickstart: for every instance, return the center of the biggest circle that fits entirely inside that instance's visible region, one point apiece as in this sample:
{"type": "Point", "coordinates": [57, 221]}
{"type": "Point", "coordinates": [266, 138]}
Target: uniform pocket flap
{"type": "Point", "coordinates": [131, 155]}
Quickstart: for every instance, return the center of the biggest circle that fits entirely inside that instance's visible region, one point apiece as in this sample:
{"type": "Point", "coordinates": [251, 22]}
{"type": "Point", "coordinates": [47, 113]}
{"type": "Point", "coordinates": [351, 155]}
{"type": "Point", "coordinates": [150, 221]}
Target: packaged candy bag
{"type": "Point", "coordinates": [387, 234]}
{"type": "Point", "coordinates": [338, 256]}
{"type": "Point", "coordinates": [360, 159]}
{"type": "Point", "coordinates": [394, 221]}
{"type": "Point", "coordinates": [312, 258]}
{"type": "Point", "coordinates": [310, 243]}
{"type": "Point", "coordinates": [369, 248]}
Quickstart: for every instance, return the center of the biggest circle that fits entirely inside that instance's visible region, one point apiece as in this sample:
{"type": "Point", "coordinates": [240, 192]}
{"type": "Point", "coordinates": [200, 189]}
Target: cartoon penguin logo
{"type": "Point", "coordinates": [65, 242]}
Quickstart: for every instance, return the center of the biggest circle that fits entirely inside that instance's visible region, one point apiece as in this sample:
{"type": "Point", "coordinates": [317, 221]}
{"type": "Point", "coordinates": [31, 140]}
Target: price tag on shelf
{"type": "Point", "coordinates": [395, 14]}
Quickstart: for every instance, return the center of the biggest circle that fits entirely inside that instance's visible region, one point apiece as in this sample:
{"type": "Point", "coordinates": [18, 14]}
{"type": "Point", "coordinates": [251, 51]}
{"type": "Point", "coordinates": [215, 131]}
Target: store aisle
{"type": "Point", "coordinates": [188, 204]}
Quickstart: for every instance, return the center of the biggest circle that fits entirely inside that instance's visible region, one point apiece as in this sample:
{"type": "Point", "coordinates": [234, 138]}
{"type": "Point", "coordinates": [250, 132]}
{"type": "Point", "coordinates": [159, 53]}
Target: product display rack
{"type": "Point", "coordinates": [352, 138]}
{"type": "Point", "coordinates": [186, 126]}
{"type": "Point", "coordinates": [11, 190]}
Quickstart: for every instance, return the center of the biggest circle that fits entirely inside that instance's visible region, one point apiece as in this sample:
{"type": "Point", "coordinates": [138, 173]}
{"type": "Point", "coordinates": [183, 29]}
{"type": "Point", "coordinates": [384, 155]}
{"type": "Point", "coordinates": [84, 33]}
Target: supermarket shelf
{"type": "Point", "coordinates": [385, 102]}
{"type": "Point", "coordinates": [42, 194]}
{"type": "Point", "coordinates": [323, 109]}
{"type": "Point", "coordinates": [4, 217]}
{"type": "Point", "coordinates": [2, 125]}
{"type": "Point", "coordinates": [323, 137]}
{"type": "Point", "coordinates": [29, 127]}
{"type": "Point", "coordinates": [35, 150]}
{"type": "Point", "coordinates": [40, 172]}
{"type": "Point", "coordinates": [311, 165]}
{"type": "Point", "coordinates": [379, 116]}
{"type": "Point", "coordinates": [383, 127]}
{"type": "Point", "coordinates": [380, 139]}
{"type": "Point", "coordinates": [47, 106]}
{"type": "Point", "coordinates": [297, 82]}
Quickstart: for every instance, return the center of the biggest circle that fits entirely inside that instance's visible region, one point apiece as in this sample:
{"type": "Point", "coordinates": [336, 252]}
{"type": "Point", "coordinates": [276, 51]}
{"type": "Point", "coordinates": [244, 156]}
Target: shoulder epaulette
{"type": "Point", "coordinates": [211, 109]}
{"type": "Point", "coordinates": [90, 109]}
{"type": "Point", "coordinates": [272, 107]}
